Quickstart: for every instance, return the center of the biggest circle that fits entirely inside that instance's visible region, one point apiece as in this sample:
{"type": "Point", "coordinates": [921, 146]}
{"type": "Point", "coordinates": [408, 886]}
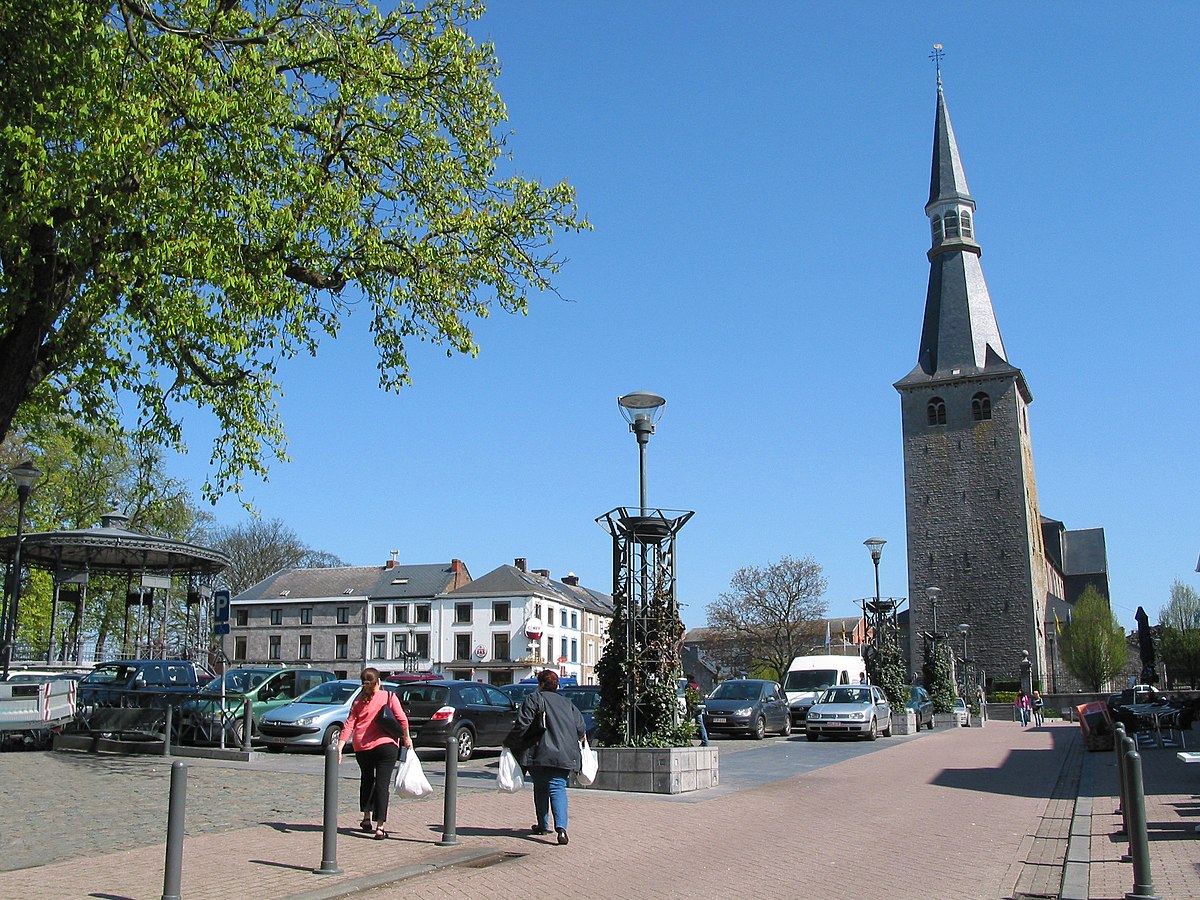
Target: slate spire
{"type": "Point", "coordinates": [960, 337]}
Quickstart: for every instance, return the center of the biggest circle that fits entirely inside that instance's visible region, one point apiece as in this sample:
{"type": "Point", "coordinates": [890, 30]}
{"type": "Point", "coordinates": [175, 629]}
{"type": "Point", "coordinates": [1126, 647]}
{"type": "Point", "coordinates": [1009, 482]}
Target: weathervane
{"type": "Point", "coordinates": [936, 56]}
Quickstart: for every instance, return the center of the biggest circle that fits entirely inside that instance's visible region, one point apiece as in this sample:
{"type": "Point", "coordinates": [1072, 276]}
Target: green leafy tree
{"type": "Point", "coordinates": [258, 549]}
{"type": "Point", "coordinates": [1179, 632]}
{"type": "Point", "coordinates": [885, 667]}
{"type": "Point", "coordinates": [1093, 644]}
{"type": "Point", "coordinates": [194, 191]}
{"type": "Point", "coordinates": [938, 674]}
{"type": "Point", "coordinates": [769, 615]}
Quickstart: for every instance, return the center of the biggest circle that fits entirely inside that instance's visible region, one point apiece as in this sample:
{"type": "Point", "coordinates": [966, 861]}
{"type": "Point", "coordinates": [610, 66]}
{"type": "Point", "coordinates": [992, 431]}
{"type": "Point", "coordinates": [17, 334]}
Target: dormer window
{"type": "Point", "coordinates": [936, 411]}
{"type": "Point", "coordinates": [981, 407]}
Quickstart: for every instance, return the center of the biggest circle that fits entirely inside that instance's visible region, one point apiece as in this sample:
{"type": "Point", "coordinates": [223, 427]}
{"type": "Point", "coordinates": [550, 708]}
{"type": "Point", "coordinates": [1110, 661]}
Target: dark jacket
{"type": "Point", "coordinates": [558, 748]}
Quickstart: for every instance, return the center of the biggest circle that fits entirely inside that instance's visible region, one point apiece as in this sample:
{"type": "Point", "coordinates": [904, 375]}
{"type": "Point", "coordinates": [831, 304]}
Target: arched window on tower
{"type": "Point", "coordinates": [981, 407]}
{"type": "Point", "coordinates": [936, 227]}
{"type": "Point", "coordinates": [936, 411]}
{"type": "Point", "coordinates": [965, 220]}
{"type": "Point", "coordinates": [950, 223]}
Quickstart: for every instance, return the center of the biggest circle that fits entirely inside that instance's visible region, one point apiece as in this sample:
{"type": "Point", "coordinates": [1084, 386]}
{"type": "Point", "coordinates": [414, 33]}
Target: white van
{"type": "Point", "coordinates": [807, 676]}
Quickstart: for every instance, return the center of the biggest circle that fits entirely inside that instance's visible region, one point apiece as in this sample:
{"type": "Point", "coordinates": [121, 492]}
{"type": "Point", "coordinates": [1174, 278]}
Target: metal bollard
{"type": "Point", "coordinates": [1119, 756]}
{"type": "Point", "coordinates": [1128, 745]}
{"type": "Point", "coordinates": [329, 864]}
{"type": "Point", "coordinates": [167, 732]}
{"type": "Point", "coordinates": [247, 724]}
{"type": "Point", "coordinates": [1139, 843]}
{"type": "Point", "coordinates": [173, 870]}
{"type": "Point", "coordinates": [450, 803]}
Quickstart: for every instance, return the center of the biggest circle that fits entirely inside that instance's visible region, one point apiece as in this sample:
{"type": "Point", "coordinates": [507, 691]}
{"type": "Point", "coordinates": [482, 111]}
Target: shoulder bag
{"type": "Point", "coordinates": [388, 721]}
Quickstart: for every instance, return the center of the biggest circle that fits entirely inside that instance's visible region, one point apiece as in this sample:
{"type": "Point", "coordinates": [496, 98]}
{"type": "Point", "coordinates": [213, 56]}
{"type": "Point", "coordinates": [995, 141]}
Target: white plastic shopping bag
{"type": "Point", "coordinates": [509, 777]}
{"type": "Point", "coordinates": [410, 779]}
{"type": "Point", "coordinates": [589, 766]}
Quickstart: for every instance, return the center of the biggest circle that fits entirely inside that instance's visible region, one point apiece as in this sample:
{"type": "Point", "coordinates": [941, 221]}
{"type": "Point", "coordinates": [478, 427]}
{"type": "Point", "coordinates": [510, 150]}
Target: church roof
{"type": "Point", "coordinates": [947, 179]}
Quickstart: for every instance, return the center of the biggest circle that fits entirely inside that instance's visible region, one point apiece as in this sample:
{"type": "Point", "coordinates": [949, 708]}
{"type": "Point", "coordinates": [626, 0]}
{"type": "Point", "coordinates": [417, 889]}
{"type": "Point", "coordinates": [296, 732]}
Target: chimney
{"type": "Point", "coordinates": [392, 563]}
{"type": "Point", "coordinates": [456, 566]}
{"type": "Point", "coordinates": [545, 573]}
{"type": "Point", "coordinates": [521, 563]}
{"type": "Point", "coordinates": [572, 579]}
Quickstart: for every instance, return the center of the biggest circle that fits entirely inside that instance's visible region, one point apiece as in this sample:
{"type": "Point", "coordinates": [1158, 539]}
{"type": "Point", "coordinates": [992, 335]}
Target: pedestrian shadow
{"type": "Point", "coordinates": [289, 827]}
{"type": "Point", "coordinates": [479, 831]}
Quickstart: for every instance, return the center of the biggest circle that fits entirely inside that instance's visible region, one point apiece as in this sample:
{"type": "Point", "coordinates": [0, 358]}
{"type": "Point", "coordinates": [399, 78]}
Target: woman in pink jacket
{"type": "Point", "coordinates": [375, 749]}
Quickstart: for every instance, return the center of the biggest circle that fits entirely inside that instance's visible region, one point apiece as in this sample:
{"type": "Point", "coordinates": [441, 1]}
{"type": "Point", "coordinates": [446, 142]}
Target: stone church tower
{"type": "Point", "coordinates": [974, 528]}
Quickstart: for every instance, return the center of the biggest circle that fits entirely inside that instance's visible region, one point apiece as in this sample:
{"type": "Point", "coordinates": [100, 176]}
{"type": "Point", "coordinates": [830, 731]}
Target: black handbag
{"type": "Point", "coordinates": [388, 721]}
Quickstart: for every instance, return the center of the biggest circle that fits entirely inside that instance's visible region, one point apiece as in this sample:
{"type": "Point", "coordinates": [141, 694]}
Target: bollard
{"type": "Point", "coordinates": [247, 724]}
{"type": "Point", "coordinates": [329, 864]}
{"type": "Point", "coordinates": [1139, 843]}
{"type": "Point", "coordinates": [450, 802]}
{"type": "Point", "coordinates": [1119, 755]}
{"type": "Point", "coordinates": [173, 870]}
{"type": "Point", "coordinates": [167, 732]}
{"type": "Point", "coordinates": [1127, 745]}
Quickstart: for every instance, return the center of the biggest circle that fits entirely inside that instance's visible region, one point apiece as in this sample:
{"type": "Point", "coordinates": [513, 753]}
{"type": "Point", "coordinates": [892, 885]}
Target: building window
{"type": "Point", "coordinates": [462, 646]}
{"type": "Point", "coordinates": [399, 646]}
{"type": "Point", "coordinates": [462, 613]}
{"type": "Point", "coordinates": [537, 610]}
{"type": "Point", "coordinates": [422, 646]}
{"type": "Point", "coordinates": [400, 614]}
{"type": "Point", "coordinates": [274, 647]}
{"type": "Point", "coordinates": [936, 412]}
{"type": "Point", "coordinates": [501, 611]}
{"type": "Point", "coordinates": [500, 646]}
{"type": "Point", "coordinates": [574, 650]}
{"type": "Point", "coordinates": [305, 651]}
{"type": "Point", "coordinates": [422, 613]}
{"type": "Point", "coordinates": [563, 613]}
{"type": "Point", "coordinates": [241, 617]}
{"type": "Point", "coordinates": [549, 614]}
{"type": "Point", "coordinates": [277, 617]}
{"type": "Point", "coordinates": [341, 646]}
{"type": "Point", "coordinates": [564, 649]}
{"type": "Point", "coordinates": [379, 615]}
{"type": "Point", "coordinates": [379, 646]}
{"type": "Point", "coordinates": [965, 219]}
{"type": "Point", "coordinates": [936, 227]}
{"type": "Point", "coordinates": [343, 615]}
{"type": "Point", "coordinates": [950, 224]}
{"type": "Point", "coordinates": [575, 620]}
{"type": "Point", "coordinates": [981, 407]}
{"type": "Point", "coordinates": [306, 615]}
{"type": "Point", "coordinates": [239, 648]}
{"type": "Point", "coordinates": [591, 653]}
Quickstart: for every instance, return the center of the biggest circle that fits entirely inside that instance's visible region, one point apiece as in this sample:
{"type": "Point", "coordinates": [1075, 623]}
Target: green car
{"type": "Point", "coordinates": [263, 687]}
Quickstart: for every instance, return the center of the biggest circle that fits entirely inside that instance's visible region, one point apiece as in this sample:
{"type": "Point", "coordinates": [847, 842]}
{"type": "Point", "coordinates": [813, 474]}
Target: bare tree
{"type": "Point", "coordinates": [258, 549]}
{"type": "Point", "coordinates": [768, 615]}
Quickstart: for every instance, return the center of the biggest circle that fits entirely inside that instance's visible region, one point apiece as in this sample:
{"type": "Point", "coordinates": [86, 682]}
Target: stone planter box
{"type": "Point", "coordinates": [945, 720]}
{"type": "Point", "coordinates": [656, 770]}
{"type": "Point", "coordinates": [904, 723]}
{"type": "Point", "coordinates": [977, 720]}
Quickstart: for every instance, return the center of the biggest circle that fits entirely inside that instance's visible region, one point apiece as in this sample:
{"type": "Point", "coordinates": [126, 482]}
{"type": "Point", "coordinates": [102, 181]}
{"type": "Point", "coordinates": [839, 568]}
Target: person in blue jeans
{"type": "Point", "coordinates": [696, 707]}
{"type": "Point", "coordinates": [546, 741]}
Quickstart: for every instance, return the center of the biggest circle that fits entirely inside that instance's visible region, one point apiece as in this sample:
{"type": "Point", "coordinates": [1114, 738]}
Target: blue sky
{"type": "Point", "coordinates": [756, 176]}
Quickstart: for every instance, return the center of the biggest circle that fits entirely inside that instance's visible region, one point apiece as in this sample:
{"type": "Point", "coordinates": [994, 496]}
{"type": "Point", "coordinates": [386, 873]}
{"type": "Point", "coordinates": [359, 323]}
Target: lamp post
{"type": "Point", "coordinates": [26, 476]}
{"type": "Point", "coordinates": [875, 545]}
{"type": "Point", "coordinates": [933, 593]}
{"type": "Point", "coordinates": [964, 629]}
{"type": "Point", "coordinates": [642, 410]}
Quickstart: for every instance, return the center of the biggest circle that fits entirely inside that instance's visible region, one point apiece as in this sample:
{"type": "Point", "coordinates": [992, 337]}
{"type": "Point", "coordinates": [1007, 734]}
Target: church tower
{"type": "Point", "coordinates": [973, 524]}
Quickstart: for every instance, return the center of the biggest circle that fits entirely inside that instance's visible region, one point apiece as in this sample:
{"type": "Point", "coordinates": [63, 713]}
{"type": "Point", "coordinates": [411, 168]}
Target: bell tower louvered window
{"type": "Point", "coordinates": [981, 407]}
{"type": "Point", "coordinates": [936, 411]}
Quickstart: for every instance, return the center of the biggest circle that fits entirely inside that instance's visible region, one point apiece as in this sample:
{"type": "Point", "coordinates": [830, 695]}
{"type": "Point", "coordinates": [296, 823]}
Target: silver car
{"type": "Point", "coordinates": [314, 719]}
{"type": "Point", "coordinates": [850, 710]}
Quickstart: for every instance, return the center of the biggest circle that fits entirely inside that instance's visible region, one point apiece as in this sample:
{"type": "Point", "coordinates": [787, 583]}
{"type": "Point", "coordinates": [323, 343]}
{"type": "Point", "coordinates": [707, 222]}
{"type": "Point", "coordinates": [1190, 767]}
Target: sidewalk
{"type": "Point", "coordinates": [954, 813]}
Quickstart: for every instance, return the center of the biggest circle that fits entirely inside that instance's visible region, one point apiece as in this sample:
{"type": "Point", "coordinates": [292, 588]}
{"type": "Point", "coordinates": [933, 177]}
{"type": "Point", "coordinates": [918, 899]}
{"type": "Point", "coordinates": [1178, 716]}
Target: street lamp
{"type": "Point", "coordinates": [642, 410]}
{"type": "Point", "coordinates": [875, 545]}
{"type": "Point", "coordinates": [25, 476]}
{"type": "Point", "coordinates": [933, 593]}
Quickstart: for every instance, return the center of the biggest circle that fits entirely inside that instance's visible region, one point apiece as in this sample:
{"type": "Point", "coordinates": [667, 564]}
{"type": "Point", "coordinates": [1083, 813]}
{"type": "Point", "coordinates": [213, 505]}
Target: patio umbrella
{"type": "Point", "coordinates": [1146, 646]}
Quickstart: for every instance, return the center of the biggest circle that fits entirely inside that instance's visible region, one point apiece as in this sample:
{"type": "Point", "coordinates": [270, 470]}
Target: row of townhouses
{"type": "Point", "coordinates": [498, 629]}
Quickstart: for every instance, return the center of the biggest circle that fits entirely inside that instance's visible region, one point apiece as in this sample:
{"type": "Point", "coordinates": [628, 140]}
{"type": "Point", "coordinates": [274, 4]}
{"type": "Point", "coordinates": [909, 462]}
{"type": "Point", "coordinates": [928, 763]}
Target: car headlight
{"type": "Point", "coordinates": [744, 711]}
{"type": "Point", "coordinates": [862, 716]}
{"type": "Point", "coordinates": [306, 720]}
{"type": "Point", "coordinates": [813, 715]}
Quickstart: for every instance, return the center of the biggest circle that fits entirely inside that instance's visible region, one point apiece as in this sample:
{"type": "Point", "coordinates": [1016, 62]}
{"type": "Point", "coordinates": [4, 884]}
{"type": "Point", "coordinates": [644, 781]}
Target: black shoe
{"type": "Point", "coordinates": [538, 829]}
{"type": "Point", "coordinates": [562, 836]}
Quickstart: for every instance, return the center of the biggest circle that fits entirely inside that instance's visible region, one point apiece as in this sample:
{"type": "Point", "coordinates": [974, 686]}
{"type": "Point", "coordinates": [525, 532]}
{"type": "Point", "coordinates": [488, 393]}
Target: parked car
{"type": "Point", "coordinates": [586, 698]}
{"type": "Point", "coordinates": [264, 688]}
{"type": "Point", "coordinates": [751, 705]}
{"type": "Point", "coordinates": [138, 682]}
{"type": "Point", "coordinates": [479, 715]}
{"type": "Point", "coordinates": [519, 691]}
{"type": "Point", "coordinates": [961, 712]}
{"type": "Point", "coordinates": [41, 676]}
{"type": "Point", "coordinates": [921, 703]}
{"type": "Point", "coordinates": [314, 720]}
{"type": "Point", "coordinates": [850, 710]}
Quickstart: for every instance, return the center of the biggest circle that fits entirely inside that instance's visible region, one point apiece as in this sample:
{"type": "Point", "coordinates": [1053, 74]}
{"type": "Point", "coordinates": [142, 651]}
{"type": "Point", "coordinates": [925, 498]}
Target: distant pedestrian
{"type": "Point", "coordinates": [550, 755]}
{"type": "Point", "coordinates": [1037, 705]}
{"type": "Point", "coordinates": [1024, 707]}
{"type": "Point", "coordinates": [695, 707]}
{"type": "Point", "coordinates": [375, 750]}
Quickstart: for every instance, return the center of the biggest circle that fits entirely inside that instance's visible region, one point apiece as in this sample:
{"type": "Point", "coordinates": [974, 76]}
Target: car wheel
{"type": "Point", "coordinates": [333, 734]}
{"type": "Point", "coordinates": [787, 727]}
{"type": "Point", "coordinates": [760, 729]}
{"type": "Point", "coordinates": [233, 733]}
{"type": "Point", "coordinates": [931, 723]}
{"type": "Point", "coordinates": [887, 731]}
{"type": "Point", "coordinates": [466, 744]}
{"type": "Point", "coordinates": [874, 732]}
{"type": "Point", "coordinates": [812, 735]}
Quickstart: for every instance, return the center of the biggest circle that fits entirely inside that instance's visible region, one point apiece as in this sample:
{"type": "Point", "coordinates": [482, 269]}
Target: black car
{"type": "Point", "coordinates": [921, 703]}
{"type": "Point", "coordinates": [479, 715]}
{"type": "Point", "coordinates": [586, 698]}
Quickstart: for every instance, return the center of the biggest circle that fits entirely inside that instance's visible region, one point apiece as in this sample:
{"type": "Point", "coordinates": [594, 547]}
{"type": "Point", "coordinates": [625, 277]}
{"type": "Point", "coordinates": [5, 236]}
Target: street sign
{"type": "Point", "coordinates": [221, 607]}
{"type": "Point", "coordinates": [221, 628]}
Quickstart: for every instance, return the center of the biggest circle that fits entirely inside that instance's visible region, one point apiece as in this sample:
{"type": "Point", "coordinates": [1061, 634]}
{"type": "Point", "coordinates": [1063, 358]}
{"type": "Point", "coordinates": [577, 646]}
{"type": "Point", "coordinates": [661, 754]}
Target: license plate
{"type": "Point", "coordinates": [276, 740]}
{"type": "Point", "coordinates": [717, 721]}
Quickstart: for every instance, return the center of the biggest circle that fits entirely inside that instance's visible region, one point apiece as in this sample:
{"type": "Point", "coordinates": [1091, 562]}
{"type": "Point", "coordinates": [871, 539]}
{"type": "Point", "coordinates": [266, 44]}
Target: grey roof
{"type": "Point", "coordinates": [509, 581]}
{"type": "Point", "coordinates": [376, 582]}
{"type": "Point", "coordinates": [1085, 552]}
{"type": "Point", "coordinates": [947, 179]}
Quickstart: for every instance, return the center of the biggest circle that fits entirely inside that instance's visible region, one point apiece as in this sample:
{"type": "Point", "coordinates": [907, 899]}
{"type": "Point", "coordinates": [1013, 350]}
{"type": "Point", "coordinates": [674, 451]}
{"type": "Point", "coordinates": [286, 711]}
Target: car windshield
{"type": "Point", "coordinates": [236, 681]}
{"type": "Point", "coordinates": [809, 679]}
{"type": "Point", "coordinates": [331, 692]}
{"type": "Point", "coordinates": [847, 695]}
{"type": "Point", "coordinates": [736, 690]}
{"type": "Point", "coordinates": [586, 701]}
{"type": "Point", "coordinates": [423, 693]}
{"type": "Point", "coordinates": [110, 674]}
{"type": "Point", "coordinates": [960, 703]}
